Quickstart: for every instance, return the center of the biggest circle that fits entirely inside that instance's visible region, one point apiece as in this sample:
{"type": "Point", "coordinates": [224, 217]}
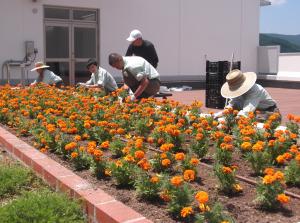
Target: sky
{"type": "Point", "coordinates": [282, 17]}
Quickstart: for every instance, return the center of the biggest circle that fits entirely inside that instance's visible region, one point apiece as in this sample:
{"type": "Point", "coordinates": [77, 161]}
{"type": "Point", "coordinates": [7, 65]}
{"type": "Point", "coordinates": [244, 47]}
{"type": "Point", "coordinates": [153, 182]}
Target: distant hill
{"type": "Point", "coordinates": [288, 43]}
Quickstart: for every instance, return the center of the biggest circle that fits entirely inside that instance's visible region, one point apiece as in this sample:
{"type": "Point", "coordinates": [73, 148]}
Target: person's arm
{"type": "Point", "coordinates": [143, 85]}
{"type": "Point", "coordinates": [129, 51]}
{"type": "Point", "coordinates": [153, 56]}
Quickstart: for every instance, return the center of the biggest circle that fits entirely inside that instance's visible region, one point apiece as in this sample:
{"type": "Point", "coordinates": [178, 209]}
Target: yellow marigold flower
{"type": "Point", "coordinates": [268, 179]}
{"type": "Point", "coordinates": [176, 181]}
{"type": "Point", "coordinates": [179, 156]}
{"type": "Point", "coordinates": [74, 155]}
{"type": "Point", "coordinates": [283, 199]}
{"type": "Point", "coordinates": [202, 197]}
{"type": "Point", "coordinates": [237, 187]}
{"type": "Point", "coordinates": [186, 211]}
{"type": "Point", "coordinates": [203, 207]}
{"type": "Point", "coordinates": [129, 158]}
{"type": "Point", "coordinates": [279, 175]}
{"type": "Point", "coordinates": [246, 145]}
{"type": "Point", "coordinates": [166, 162]}
{"type": "Point", "coordinates": [189, 175]}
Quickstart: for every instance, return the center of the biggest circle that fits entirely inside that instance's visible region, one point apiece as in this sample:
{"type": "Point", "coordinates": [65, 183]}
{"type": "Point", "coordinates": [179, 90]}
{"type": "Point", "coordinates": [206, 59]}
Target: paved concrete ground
{"type": "Point", "coordinates": [288, 99]}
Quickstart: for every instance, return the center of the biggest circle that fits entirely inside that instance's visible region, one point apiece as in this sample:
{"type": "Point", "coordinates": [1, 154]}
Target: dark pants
{"type": "Point", "coordinates": [59, 84]}
{"type": "Point", "coordinates": [263, 115]}
{"type": "Point", "coordinates": [133, 84]}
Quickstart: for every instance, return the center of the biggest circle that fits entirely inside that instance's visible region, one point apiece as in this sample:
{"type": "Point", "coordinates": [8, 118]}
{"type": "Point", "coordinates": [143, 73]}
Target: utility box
{"type": "Point", "coordinates": [29, 48]}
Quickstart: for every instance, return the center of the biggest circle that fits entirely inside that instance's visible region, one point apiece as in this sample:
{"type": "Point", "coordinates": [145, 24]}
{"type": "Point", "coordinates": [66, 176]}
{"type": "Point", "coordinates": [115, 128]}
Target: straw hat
{"type": "Point", "coordinates": [237, 83]}
{"type": "Point", "coordinates": [39, 65]}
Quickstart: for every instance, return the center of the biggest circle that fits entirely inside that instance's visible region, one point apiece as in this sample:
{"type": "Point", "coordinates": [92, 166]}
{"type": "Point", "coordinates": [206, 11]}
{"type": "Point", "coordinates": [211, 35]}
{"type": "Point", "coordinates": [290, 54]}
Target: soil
{"type": "Point", "coordinates": [241, 207]}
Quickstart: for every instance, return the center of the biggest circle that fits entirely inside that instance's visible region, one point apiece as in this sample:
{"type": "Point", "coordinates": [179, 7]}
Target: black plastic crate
{"type": "Point", "coordinates": [215, 77]}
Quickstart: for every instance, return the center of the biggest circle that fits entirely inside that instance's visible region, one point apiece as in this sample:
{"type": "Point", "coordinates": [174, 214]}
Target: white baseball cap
{"type": "Point", "coordinates": [135, 34]}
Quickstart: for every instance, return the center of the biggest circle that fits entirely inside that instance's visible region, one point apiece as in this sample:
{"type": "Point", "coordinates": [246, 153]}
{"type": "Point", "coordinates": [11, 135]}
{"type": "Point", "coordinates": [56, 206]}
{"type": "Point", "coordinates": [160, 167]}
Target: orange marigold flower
{"type": "Point", "coordinates": [189, 175]}
{"type": "Point", "coordinates": [186, 211]}
{"type": "Point", "coordinates": [280, 159]}
{"type": "Point", "coordinates": [70, 146]}
{"type": "Point", "coordinates": [226, 169]}
{"type": "Point", "coordinates": [74, 155]}
{"type": "Point", "coordinates": [139, 143]}
{"type": "Point", "coordinates": [227, 138]}
{"type": "Point", "coordinates": [166, 147]}
{"type": "Point", "coordinates": [269, 171]}
{"type": "Point", "coordinates": [179, 156]}
{"type": "Point", "coordinates": [139, 154]}
{"type": "Point", "coordinates": [97, 152]}
{"type": "Point", "coordinates": [194, 161]}
{"type": "Point", "coordinates": [43, 150]}
{"type": "Point", "coordinates": [104, 145]}
{"type": "Point", "coordinates": [77, 138]}
{"type": "Point", "coordinates": [165, 196]}
{"type": "Point", "coordinates": [202, 197]}
{"type": "Point", "coordinates": [199, 136]}
{"type": "Point", "coordinates": [283, 199]}
{"type": "Point", "coordinates": [166, 162]}
{"type": "Point", "coordinates": [154, 179]}
{"type": "Point", "coordinates": [120, 131]}
{"type": "Point", "coordinates": [176, 181]}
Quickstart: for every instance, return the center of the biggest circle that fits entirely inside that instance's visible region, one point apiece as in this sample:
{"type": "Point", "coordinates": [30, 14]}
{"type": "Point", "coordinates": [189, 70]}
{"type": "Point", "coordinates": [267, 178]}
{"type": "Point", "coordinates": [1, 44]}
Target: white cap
{"type": "Point", "coordinates": [135, 34]}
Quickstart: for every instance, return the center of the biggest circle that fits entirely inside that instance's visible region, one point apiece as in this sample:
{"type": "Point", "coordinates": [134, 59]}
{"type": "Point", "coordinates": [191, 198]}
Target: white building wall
{"type": "Point", "coordinates": [183, 31]}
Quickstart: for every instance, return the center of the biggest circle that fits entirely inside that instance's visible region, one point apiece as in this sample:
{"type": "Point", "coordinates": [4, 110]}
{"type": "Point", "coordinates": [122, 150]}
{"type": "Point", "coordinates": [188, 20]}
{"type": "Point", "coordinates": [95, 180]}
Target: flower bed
{"type": "Point", "coordinates": [155, 147]}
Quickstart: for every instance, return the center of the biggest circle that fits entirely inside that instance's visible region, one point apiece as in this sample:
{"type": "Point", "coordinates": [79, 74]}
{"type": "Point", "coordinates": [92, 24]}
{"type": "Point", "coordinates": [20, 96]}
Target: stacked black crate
{"type": "Point", "coordinates": [215, 77]}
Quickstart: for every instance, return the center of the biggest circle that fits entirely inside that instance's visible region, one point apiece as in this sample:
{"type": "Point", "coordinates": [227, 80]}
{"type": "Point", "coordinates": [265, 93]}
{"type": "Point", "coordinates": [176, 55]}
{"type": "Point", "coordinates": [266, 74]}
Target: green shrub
{"type": "Point", "coordinates": [42, 207]}
{"type": "Point", "coordinates": [12, 178]}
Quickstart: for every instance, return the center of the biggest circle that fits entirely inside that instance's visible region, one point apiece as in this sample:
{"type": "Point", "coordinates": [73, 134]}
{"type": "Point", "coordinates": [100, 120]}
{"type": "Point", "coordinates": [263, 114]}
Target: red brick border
{"type": "Point", "coordinates": [99, 206]}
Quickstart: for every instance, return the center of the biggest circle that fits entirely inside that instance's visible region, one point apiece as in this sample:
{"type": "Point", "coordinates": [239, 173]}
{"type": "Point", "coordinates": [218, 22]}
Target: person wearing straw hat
{"type": "Point", "coordinates": [46, 76]}
{"type": "Point", "coordinates": [247, 96]}
{"type": "Point", "coordinates": [100, 78]}
{"type": "Point", "coordinates": [138, 75]}
{"type": "Point", "coordinates": [141, 47]}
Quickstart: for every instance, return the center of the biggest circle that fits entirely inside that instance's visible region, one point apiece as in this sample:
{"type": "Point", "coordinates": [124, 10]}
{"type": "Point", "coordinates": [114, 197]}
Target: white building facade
{"type": "Point", "coordinates": [185, 33]}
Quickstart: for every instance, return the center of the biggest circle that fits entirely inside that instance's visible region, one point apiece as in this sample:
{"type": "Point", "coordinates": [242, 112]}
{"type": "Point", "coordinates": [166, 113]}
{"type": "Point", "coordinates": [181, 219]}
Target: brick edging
{"type": "Point", "coordinates": [100, 207]}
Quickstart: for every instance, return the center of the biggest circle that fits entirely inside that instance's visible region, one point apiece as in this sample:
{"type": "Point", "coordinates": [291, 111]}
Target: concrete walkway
{"type": "Point", "coordinates": [288, 99]}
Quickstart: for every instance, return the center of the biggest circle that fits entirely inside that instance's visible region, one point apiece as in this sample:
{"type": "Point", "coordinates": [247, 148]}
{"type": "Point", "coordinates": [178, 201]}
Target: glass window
{"type": "Point", "coordinates": [55, 13]}
{"type": "Point", "coordinates": [84, 15]}
{"type": "Point", "coordinates": [81, 73]}
{"type": "Point", "coordinates": [57, 42]}
{"type": "Point", "coordinates": [85, 42]}
{"type": "Point", "coordinates": [61, 69]}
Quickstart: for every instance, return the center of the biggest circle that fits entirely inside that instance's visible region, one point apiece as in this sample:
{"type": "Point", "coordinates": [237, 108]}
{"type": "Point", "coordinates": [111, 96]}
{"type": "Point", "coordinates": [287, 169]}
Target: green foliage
{"type": "Point", "coordinates": [180, 197]}
{"type": "Point", "coordinates": [141, 127]}
{"type": "Point", "coordinates": [226, 177]}
{"type": "Point", "coordinates": [12, 178]}
{"type": "Point", "coordinates": [215, 215]}
{"type": "Point", "coordinates": [99, 166]}
{"type": "Point", "coordinates": [223, 156]}
{"type": "Point", "coordinates": [292, 173]}
{"type": "Point", "coordinates": [116, 147]}
{"type": "Point", "coordinates": [259, 160]}
{"type": "Point", "coordinates": [200, 147]}
{"type": "Point", "coordinates": [146, 186]}
{"type": "Point", "coordinates": [123, 172]}
{"type": "Point", "coordinates": [41, 206]}
{"type": "Point", "coordinates": [82, 161]}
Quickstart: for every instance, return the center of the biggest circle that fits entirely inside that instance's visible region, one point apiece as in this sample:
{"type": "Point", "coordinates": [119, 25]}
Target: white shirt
{"type": "Point", "coordinates": [103, 79]}
{"type": "Point", "coordinates": [48, 78]}
{"type": "Point", "coordinates": [139, 68]}
{"type": "Point", "coordinates": [256, 98]}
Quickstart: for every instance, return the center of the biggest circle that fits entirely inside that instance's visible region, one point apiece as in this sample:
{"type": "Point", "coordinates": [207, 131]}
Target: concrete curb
{"type": "Point", "coordinates": [99, 206]}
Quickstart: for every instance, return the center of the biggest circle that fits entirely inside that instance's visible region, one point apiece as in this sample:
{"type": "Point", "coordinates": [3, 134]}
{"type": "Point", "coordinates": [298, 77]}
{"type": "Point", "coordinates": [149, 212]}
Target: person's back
{"type": "Point", "coordinates": [142, 48]}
